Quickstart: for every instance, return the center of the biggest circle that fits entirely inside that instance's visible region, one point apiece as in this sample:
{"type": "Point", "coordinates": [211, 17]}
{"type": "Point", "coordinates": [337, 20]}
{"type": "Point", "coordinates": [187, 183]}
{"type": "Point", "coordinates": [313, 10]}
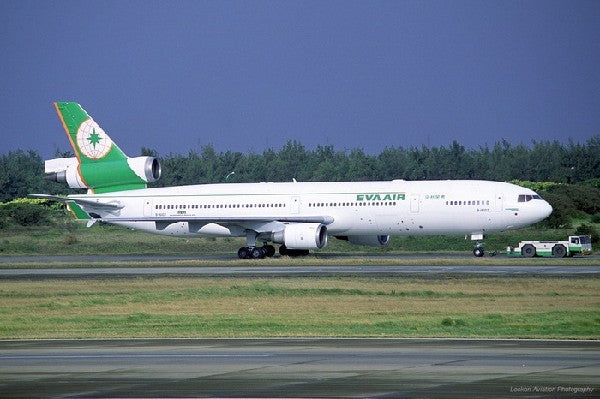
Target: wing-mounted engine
{"type": "Point", "coordinates": [121, 173]}
{"type": "Point", "coordinates": [366, 240]}
{"type": "Point", "coordinates": [302, 236]}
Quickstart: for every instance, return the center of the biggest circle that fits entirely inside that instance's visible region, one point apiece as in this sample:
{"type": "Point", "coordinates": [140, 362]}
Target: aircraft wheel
{"type": "Point", "coordinates": [269, 250]}
{"type": "Point", "coordinates": [244, 253]}
{"type": "Point", "coordinates": [257, 253]}
{"type": "Point", "coordinates": [283, 250]}
{"type": "Point", "coordinates": [478, 252]}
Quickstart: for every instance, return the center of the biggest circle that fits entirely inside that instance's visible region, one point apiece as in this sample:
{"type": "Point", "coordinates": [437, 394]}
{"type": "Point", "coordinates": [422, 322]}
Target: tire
{"type": "Point", "coordinates": [478, 252]}
{"type": "Point", "coordinates": [244, 253]}
{"type": "Point", "coordinates": [270, 250]}
{"type": "Point", "coordinates": [528, 251]}
{"type": "Point", "coordinates": [257, 253]}
{"type": "Point", "coordinates": [559, 251]}
{"type": "Point", "coordinates": [283, 250]}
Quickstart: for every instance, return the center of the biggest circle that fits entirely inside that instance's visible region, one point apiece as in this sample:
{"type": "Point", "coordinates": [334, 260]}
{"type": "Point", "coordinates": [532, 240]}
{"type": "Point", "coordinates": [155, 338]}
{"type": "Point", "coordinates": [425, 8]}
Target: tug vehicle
{"type": "Point", "coordinates": [581, 245]}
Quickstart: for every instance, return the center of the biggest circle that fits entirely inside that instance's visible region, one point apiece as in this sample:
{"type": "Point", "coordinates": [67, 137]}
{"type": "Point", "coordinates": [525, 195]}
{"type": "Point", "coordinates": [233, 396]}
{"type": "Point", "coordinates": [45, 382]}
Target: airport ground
{"type": "Point", "coordinates": [384, 368]}
{"type": "Point", "coordinates": [379, 300]}
{"type": "Point", "coordinates": [259, 300]}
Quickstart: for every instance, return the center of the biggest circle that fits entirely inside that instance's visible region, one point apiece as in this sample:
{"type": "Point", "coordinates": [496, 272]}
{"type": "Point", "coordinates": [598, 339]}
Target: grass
{"type": "Point", "coordinates": [301, 307]}
{"type": "Point", "coordinates": [76, 239]}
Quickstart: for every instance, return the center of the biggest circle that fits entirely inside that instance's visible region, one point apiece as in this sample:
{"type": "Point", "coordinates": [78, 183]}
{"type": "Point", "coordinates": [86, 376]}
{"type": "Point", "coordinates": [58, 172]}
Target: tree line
{"type": "Point", "coordinates": [544, 161]}
{"type": "Point", "coordinates": [575, 166]}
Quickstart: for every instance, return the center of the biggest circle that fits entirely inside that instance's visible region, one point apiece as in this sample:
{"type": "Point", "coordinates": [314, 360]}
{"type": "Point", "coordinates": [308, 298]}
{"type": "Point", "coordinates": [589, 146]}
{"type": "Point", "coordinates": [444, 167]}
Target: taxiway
{"type": "Point", "coordinates": [300, 368]}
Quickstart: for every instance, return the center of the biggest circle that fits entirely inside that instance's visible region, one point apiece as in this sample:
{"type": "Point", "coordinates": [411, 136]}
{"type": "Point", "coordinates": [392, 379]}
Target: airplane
{"type": "Point", "coordinates": [299, 216]}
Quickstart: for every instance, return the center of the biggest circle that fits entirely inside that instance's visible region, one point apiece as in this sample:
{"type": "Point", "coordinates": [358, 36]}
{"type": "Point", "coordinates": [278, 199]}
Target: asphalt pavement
{"type": "Point", "coordinates": [301, 271]}
{"type": "Point", "coordinates": [411, 368]}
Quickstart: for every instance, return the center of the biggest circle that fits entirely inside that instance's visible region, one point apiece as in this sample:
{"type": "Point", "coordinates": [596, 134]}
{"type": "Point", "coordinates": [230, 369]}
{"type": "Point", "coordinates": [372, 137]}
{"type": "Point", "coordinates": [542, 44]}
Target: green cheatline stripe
{"type": "Point", "coordinates": [76, 209]}
{"type": "Point", "coordinates": [209, 195]}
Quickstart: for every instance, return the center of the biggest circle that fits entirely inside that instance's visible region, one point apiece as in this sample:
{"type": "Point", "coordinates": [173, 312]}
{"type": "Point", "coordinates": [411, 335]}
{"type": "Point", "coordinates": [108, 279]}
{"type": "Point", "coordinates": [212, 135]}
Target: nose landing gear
{"type": "Point", "coordinates": [478, 250]}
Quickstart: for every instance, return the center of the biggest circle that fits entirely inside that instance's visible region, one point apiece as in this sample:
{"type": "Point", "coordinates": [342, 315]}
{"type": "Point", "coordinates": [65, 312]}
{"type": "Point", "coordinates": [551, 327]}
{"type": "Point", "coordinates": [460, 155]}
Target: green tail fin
{"type": "Point", "coordinates": [102, 166]}
{"type": "Point", "coordinates": [88, 139]}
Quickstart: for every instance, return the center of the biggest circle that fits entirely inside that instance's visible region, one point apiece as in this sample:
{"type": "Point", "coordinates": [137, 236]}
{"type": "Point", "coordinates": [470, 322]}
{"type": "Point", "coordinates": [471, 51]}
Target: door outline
{"type": "Point", "coordinates": [414, 203]}
{"type": "Point", "coordinates": [147, 207]}
{"type": "Point", "coordinates": [295, 204]}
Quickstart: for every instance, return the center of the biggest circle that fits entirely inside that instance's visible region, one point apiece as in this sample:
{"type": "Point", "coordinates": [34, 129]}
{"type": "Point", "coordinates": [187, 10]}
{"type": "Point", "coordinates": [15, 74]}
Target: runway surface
{"type": "Point", "coordinates": [300, 368]}
{"type": "Point", "coordinates": [371, 257]}
{"type": "Point", "coordinates": [300, 271]}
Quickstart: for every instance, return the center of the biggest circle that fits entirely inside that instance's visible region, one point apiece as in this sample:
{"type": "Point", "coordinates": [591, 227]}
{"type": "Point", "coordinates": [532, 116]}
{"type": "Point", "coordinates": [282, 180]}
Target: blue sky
{"type": "Point", "coordinates": [249, 75]}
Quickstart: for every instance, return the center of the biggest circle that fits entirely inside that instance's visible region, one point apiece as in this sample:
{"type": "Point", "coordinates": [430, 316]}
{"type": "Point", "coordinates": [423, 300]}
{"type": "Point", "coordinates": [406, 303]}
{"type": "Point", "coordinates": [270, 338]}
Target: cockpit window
{"type": "Point", "coordinates": [527, 197]}
{"type": "Point", "coordinates": [524, 198]}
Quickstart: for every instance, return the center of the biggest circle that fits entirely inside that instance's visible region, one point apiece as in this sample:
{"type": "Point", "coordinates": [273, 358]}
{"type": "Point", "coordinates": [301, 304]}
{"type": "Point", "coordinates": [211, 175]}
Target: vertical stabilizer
{"type": "Point", "coordinates": [101, 166]}
{"type": "Point", "coordinates": [89, 141]}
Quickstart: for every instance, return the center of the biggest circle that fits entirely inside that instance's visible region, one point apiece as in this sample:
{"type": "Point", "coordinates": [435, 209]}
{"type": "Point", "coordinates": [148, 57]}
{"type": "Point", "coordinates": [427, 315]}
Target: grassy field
{"type": "Point", "coordinates": [324, 307]}
{"type": "Point", "coordinates": [76, 239]}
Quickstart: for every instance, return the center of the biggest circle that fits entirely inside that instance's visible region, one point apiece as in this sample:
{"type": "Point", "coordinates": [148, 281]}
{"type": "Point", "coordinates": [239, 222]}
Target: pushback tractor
{"type": "Point", "coordinates": [575, 245]}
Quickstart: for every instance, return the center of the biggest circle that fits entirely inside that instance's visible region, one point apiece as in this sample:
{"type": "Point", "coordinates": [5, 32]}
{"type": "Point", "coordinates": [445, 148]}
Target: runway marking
{"type": "Point", "coordinates": [140, 356]}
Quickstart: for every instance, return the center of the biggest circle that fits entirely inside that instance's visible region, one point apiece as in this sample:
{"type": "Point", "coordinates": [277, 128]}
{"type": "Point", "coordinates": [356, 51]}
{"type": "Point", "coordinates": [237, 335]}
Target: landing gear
{"type": "Point", "coordinates": [266, 251]}
{"type": "Point", "coordinates": [478, 250]}
{"type": "Point", "coordinates": [244, 253]}
{"type": "Point", "coordinates": [251, 251]}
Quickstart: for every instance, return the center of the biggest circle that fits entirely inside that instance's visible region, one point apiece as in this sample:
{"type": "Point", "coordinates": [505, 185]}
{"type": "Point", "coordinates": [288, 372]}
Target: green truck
{"type": "Point", "coordinates": [575, 245]}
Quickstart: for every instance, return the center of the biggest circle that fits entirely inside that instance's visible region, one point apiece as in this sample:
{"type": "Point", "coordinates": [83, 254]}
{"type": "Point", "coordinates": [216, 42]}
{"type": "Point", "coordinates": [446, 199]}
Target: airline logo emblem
{"type": "Point", "coordinates": [92, 140]}
{"type": "Point", "coordinates": [381, 197]}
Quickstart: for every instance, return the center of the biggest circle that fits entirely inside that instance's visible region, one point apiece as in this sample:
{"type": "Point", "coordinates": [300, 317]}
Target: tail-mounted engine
{"type": "Point", "coordinates": [121, 174]}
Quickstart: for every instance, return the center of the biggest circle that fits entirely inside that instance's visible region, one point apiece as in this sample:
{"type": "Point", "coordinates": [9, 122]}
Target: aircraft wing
{"type": "Point", "coordinates": [258, 224]}
{"type": "Point", "coordinates": [111, 206]}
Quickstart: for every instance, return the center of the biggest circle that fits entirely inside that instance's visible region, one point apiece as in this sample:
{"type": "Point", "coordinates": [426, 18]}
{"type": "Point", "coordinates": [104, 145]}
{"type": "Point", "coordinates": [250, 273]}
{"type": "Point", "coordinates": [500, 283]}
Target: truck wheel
{"type": "Point", "coordinates": [528, 251]}
{"type": "Point", "coordinates": [559, 251]}
{"type": "Point", "coordinates": [478, 252]}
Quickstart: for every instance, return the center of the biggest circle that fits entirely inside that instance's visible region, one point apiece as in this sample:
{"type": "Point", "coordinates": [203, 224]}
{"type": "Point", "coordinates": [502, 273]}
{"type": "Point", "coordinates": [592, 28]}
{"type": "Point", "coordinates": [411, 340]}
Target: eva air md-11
{"type": "Point", "coordinates": [299, 216]}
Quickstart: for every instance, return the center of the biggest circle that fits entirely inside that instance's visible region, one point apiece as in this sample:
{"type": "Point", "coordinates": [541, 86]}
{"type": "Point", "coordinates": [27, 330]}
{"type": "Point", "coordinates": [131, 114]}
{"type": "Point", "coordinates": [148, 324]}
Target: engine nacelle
{"type": "Point", "coordinates": [368, 240]}
{"type": "Point", "coordinates": [126, 173]}
{"type": "Point", "coordinates": [302, 236]}
{"type": "Point", "coordinates": [147, 168]}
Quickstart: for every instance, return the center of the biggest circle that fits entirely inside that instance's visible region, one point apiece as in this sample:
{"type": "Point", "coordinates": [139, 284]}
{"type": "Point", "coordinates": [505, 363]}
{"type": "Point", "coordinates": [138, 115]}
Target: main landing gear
{"type": "Point", "coordinates": [251, 251]}
{"type": "Point", "coordinates": [266, 251]}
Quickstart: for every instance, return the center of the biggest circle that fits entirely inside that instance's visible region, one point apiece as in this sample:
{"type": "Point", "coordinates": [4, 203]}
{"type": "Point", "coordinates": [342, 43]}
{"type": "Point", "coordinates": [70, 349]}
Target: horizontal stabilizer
{"type": "Point", "coordinates": [83, 202]}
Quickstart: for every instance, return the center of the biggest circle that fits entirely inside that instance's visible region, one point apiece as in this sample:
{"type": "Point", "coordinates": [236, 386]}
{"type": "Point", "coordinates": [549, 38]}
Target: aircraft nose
{"type": "Point", "coordinates": [545, 210]}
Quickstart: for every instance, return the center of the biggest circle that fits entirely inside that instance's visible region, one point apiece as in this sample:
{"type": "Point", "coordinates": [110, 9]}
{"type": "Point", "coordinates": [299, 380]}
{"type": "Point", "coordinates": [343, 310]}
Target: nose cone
{"type": "Point", "coordinates": [545, 209]}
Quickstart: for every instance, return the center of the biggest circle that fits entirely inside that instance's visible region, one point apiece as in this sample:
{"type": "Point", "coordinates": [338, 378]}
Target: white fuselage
{"type": "Point", "coordinates": [357, 208]}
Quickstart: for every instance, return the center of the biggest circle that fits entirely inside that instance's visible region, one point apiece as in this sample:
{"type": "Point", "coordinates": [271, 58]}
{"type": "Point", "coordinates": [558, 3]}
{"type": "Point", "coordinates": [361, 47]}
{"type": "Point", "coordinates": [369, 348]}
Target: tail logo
{"type": "Point", "coordinates": [92, 141]}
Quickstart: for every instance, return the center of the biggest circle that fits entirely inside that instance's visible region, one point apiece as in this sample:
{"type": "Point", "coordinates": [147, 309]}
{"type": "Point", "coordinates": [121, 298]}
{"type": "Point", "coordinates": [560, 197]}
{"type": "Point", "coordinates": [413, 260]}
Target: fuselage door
{"type": "Point", "coordinates": [414, 203]}
{"type": "Point", "coordinates": [498, 202]}
{"type": "Point", "coordinates": [295, 205]}
{"type": "Point", "coordinates": [147, 207]}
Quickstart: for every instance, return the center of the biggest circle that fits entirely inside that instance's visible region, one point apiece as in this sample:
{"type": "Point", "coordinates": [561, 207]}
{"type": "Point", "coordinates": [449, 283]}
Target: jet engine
{"type": "Point", "coordinates": [102, 174]}
{"type": "Point", "coordinates": [302, 236]}
{"type": "Point", "coordinates": [366, 240]}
